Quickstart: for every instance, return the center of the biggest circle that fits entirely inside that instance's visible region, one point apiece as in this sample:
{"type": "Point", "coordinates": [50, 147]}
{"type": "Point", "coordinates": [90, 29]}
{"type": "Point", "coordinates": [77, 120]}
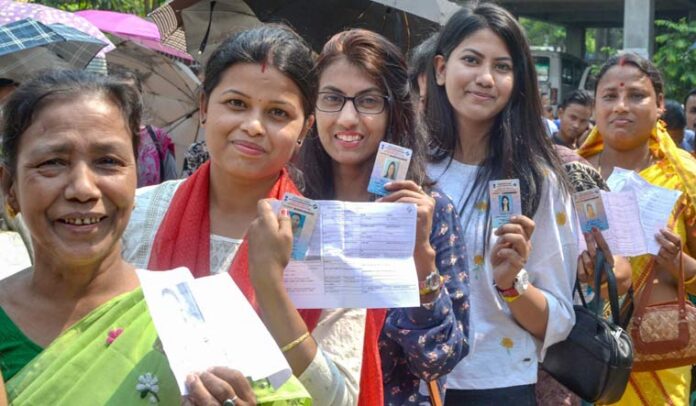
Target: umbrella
{"type": "Point", "coordinates": [198, 25]}
{"type": "Point", "coordinates": [27, 46]}
{"type": "Point", "coordinates": [170, 92]}
{"type": "Point", "coordinates": [11, 11]}
{"type": "Point", "coordinates": [133, 28]}
{"type": "Point", "coordinates": [438, 11]}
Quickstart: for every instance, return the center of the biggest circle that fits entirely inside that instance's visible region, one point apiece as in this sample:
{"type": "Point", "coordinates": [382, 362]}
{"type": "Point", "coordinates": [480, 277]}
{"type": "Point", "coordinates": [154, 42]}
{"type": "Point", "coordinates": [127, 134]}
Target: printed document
{"type": "Point", "coordinates": [360, 256]}
{"type": "Point", "coordinates": [207, 322]}
{"type": "Point", "coordinates": [636, 211]}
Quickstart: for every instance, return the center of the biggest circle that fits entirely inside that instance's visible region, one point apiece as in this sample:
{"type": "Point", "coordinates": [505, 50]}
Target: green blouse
{"type": "Point", "coordinates": [16, 350]}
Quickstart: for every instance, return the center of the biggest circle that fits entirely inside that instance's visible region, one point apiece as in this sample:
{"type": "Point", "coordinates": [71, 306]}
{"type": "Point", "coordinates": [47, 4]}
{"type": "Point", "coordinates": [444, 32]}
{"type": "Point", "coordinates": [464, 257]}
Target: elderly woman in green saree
{"type": "Point", "coordinates": [74, 328]}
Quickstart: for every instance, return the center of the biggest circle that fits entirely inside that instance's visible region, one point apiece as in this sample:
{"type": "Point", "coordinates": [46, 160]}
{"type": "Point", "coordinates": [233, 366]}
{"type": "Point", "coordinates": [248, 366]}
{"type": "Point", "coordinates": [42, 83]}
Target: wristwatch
{"type": "Point", "coordinates": [518, 287]}
{"type": "Point", "coordinates": [432, 283]}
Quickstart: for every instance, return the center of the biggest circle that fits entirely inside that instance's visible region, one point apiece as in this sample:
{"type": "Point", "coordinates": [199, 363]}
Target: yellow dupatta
{"type": "Point", "coordinates": [674, 169]}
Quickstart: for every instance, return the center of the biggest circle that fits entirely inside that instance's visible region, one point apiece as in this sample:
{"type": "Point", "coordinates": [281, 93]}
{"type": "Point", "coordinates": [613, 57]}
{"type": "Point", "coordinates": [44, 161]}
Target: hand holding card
{"type": "Point", "coordinates": [505, 200]}
{"type": "Point", "coordinates": [391, 164]}
{"type": "Point", "coordinates": [303, 214]}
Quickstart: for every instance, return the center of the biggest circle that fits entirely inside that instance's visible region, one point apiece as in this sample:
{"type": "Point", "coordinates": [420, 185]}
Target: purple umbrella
{"type": "Point", "coordinates": [11, 11]}
{"type": "Point", "coordinates": [131, 27]}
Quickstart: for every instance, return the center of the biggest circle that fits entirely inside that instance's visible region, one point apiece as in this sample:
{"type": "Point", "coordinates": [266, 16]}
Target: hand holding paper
{"type": "Point", "coordinates": [207, 322]}
{"type": "Point", "coordinates": [270, 244]}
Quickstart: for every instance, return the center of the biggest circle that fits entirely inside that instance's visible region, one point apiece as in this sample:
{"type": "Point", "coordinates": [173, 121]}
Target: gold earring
{"type": "Point", "coordinates": [10, 210]}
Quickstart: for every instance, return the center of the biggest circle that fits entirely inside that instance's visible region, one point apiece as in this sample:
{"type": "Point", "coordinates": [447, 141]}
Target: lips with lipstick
{"type": "Point", "coordinates": [349, 139]}
{"type": "Point", "coordinates": [248, 148]}
{"type": "Point", "coordinates": [482, 95]}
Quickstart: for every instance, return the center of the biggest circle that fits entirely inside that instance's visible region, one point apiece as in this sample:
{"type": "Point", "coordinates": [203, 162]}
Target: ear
{"type": "Point", "coordinates": [7, 186]}
{"type": "Point", "coordinates": [440, 64]}
{"type": "Point", "coordinates": [660, 105]}
{"type": "Point", "coordinates": [202, 109]}
{"type": "Point", "coordinates": [309, 123]}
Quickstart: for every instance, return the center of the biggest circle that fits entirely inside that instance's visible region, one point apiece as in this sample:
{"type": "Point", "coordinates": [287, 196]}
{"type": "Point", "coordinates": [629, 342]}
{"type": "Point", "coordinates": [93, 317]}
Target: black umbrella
{"type": "Point", "coordinates": [196, 26]}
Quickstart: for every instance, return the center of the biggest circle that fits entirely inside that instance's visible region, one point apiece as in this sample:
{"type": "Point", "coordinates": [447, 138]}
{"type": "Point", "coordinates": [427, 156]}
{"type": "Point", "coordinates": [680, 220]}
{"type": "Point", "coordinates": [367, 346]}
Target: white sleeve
{"type": "Point", "coordinates": [151, 204]}
{"type": "Point", "coordinates": [552, 264]}
{"type": "Point", "coordinates": [333, 377]}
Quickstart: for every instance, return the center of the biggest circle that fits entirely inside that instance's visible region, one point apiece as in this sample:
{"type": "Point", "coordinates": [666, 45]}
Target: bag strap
{"type": "Point", "coordinates": [160, 150]}
{"type": "Point", "coordinates": [602, 267]}
{"type": "Point", "coordinates": [644, 297]}
{"type": "Point", "coordinates": [434, 391]}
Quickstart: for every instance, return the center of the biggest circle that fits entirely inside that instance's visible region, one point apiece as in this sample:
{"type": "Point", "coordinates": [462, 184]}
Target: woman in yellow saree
{"type": "Point", "coordinates": [74, 328]}
{"type": "Point", "coordinates": [629, 96]}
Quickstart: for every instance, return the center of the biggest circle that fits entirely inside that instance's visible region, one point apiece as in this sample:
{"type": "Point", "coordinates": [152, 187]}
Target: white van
{"type": "Point", "coordinates": [559, 74]}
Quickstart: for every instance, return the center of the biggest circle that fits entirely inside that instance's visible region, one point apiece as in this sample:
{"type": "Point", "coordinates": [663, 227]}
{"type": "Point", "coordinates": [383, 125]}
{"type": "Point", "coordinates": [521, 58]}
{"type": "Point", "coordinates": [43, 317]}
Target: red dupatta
{"type": "Point", "coordinates": [183, 239]}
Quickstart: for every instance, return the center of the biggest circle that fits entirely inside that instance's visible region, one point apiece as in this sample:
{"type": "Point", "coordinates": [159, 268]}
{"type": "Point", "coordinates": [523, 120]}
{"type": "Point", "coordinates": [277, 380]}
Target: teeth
{"type": "Point", "coordinates": [82, 221]}
{"type": "Point", "coordinates": [349, 138]}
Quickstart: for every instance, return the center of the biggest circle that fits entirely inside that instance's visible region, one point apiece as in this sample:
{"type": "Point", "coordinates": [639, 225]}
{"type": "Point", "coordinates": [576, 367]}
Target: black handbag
{"type": "Point", "coordinates": [595, 360]}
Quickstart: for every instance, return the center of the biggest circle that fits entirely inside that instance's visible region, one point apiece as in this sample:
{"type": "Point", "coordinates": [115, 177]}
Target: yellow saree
{"type": "Point", "coordinates": [673, 169]}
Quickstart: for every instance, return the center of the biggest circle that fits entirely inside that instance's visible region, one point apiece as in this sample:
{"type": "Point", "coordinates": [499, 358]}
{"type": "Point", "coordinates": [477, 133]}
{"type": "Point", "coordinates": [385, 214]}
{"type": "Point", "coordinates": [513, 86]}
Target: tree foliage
{"type": "Point", "coordinates": [541, 33]}
{"type": "Point", "coordinates": [676, 56]}
{"type": "Point", "coordinates": [139, 7]}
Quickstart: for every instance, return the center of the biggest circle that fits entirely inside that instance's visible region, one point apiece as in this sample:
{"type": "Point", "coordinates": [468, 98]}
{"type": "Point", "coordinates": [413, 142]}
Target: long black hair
{"type": "Point", "coordinates": [385, 64]}
{"type": "Point", "coordinates": [518, 146]}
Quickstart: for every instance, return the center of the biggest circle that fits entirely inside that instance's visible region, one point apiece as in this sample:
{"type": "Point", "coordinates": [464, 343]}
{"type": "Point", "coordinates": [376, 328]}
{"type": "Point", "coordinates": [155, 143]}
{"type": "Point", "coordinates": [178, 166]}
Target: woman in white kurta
{"type": "Point", "coordinates": [483, 110]}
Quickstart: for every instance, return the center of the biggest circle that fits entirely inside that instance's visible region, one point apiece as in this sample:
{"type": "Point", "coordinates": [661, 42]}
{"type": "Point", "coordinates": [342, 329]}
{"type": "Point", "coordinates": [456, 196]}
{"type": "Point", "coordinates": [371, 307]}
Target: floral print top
{"type": "Point", "coordinates": [425, 343]}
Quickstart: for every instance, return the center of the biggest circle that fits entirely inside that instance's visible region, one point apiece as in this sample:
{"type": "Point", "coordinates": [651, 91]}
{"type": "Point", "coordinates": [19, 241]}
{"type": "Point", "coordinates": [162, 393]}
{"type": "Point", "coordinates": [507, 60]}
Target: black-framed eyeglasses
{"type": "Point", "coordinates": [330, 102]}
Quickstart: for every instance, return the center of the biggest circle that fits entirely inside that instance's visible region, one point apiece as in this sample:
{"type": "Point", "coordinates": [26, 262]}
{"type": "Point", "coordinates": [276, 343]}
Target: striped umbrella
{"type": "Point", "coordinates": [11, 11]}
{"type": "Point", "coordinates": [28, 46]}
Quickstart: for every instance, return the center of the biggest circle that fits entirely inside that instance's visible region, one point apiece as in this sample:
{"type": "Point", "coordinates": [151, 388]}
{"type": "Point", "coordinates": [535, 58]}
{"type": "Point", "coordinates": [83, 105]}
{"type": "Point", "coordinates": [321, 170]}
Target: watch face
{"type": "Point", "coordinates": [522, 281]}
{"type": "Point", "coordinates": [433, 281]}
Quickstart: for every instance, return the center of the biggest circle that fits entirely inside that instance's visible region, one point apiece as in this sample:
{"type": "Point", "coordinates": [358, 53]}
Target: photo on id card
{"type": "Point", "coordinates": [303, 214]}
{"type": "Point", "coordinates": [505, 200]}
{"type": "Point", "coordinates": [391, 164]}
{"type": "Point", "coordinates": [590, 209]}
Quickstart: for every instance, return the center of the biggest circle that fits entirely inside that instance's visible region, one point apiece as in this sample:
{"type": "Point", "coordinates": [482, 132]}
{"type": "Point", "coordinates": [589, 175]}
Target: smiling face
{"type": "Point", "coordinates": [478, 78]}
{"type": "Point", "coordinates": [350, 138]}
{"type": "Point", "coordinates": [75, 180]}
{"type": "Point", "coordinates": [627, 107]}
{"type": "Point", "coordinates": [254, 118]}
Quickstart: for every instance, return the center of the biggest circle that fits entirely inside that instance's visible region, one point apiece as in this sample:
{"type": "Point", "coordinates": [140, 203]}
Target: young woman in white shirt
{"type": "Point", "coordinates": [483, 111]}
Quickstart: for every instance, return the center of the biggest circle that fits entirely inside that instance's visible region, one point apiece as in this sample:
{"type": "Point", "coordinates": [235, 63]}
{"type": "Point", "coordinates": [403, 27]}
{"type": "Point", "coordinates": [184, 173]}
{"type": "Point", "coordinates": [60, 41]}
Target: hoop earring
{"type": "Point", "coordinates": [203, 120]}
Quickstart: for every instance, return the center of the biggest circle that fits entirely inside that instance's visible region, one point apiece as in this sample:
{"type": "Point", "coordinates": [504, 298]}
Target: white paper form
{"type": "Point", "coordinates": [655, 205]}
{"type": "Point", "coordinates": [360, 256]}
{"type": "Point", "coordinates": [207, 322]}
{"type": "Point", "coordinates": [625, 235]}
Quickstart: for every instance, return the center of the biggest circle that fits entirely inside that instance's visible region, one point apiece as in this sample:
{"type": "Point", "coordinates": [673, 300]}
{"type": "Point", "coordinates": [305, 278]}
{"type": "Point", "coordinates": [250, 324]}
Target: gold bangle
{"type": "Point", "coordinates": [690, 280]}
{"type": "Point", "coordinates": [295, 342]}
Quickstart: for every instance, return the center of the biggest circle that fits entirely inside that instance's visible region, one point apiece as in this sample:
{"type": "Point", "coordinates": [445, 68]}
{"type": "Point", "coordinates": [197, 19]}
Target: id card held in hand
{"type": "Point", "coordinates": [303, 214]}
{"type": "Point", "coordinates": [391, 164]}
{"type": "Point", "coordinates": [505, 200]}
{"type": "Point", "coordinates": [590, 209]}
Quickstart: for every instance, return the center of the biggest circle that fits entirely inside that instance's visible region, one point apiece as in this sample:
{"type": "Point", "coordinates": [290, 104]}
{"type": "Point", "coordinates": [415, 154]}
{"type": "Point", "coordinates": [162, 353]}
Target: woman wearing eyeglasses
{"type": "Point", "coordinates": [363, 100]}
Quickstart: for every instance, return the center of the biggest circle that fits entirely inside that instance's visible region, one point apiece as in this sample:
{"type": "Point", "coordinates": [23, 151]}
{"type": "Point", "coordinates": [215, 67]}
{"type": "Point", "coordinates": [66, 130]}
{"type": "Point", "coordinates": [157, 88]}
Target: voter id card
{"type": "Point", "coordinates": [505, 200]}
{"type": "Point", "coordinates": [303, 214]}
{"type": "Point", "coordinates": [590, 209]}
{"type": "Point", "coordinates": [391, 164]}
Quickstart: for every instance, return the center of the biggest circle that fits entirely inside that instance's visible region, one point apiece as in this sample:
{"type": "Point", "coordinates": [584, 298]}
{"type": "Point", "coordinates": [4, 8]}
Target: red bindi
{"type": "Point", "coordinates": [263, 67]}
{"type": "Point", "coordinates": [621, 84]}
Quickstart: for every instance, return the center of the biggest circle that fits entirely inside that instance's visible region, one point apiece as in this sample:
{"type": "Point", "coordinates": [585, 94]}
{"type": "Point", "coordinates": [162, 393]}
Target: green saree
{"type": "Point", "coordinates": [113, 357]}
